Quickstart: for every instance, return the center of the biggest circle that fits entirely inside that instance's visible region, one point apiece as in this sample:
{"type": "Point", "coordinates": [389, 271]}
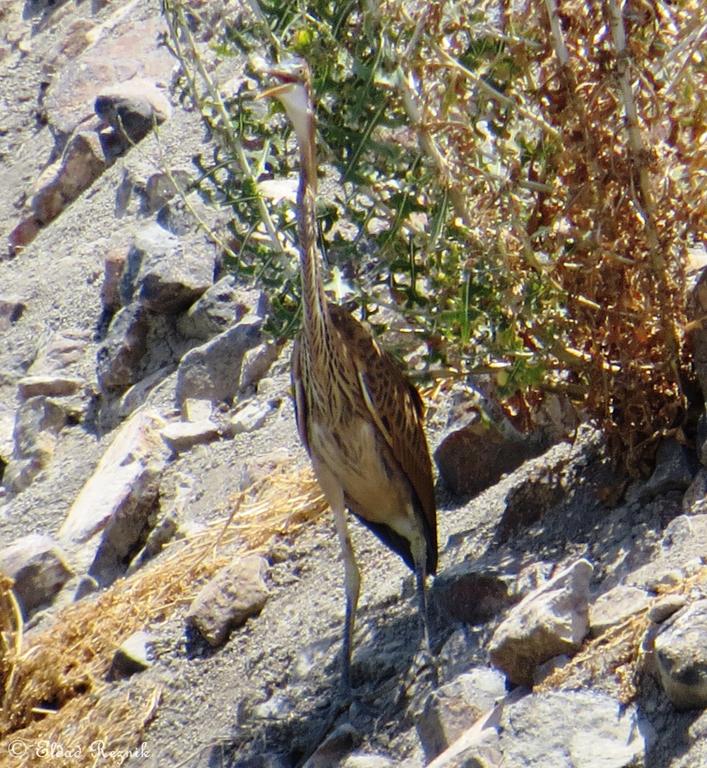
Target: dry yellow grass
{"type": "Point", "coordinates": [54, 702]}
{"type": "Point", "coordinates": [621, 651]}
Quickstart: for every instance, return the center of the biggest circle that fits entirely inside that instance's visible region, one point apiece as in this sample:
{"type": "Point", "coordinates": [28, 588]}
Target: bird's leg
{"type": "Point", "coordinates": [352, 580]}
{"type": "Point", "coordinates": [420, 578]}
{"type": "Point", "coordinates": [427, 659]}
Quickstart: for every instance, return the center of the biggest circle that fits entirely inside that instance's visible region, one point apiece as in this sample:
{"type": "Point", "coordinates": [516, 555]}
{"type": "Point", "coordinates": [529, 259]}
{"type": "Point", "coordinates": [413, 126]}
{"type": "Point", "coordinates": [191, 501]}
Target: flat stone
{"type": "Point", "coordinates": [449, 710]}
{"type": "Point", "coordinates": [457, 457]}
{"type": "Point", "coordinates": [236, 592]}
{"type": "Point", "coordinates": [548, 622]}
{"type": "Point", "coordinates": [181, 436]}
{"type": "Point", "coordinates": [681, 655]}
{"type": "Point", "coordinates": [171, 274]}
{"type": "Point", "coordinates": [249, 418]}
{"type": "Point", "coordinates": [110, 514]}
{"type": "Point", "coordinates": [574, 730]}
{"type": "Point", "coordinates": [81, 163]}
{"type": "Point", "coordinates": [48, 385]}
{"type": "Point", "coordinates": [615, 606]}
{"type": "Point", "coordinates": [257, 362]}
{"type": "Point", "coordinates": [134, 53]}
{"type": "Point", "coordinates": [221, 306]}
{"type": "Point", "coordinates": [557, 729]}
{"type": "Point", "coordinates": [212, 370]}
{"type": "Point", "coordinates": [119, 356]}
{"type": "Point", "coordinates": [38, 421]}
{"type": "Point", "coordinates": [194, 409]}
{"type": "Point", "coordinates": [665, 607]}
{"type": "Point", "coordinates": [39, 569]}
{"type": "Point", "coordinates": [60, 352]}
{"type": "Point", "coordinates": [134, 655]}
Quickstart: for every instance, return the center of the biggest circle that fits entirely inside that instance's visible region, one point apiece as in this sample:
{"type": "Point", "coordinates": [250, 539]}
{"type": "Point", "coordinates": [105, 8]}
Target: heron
{"type": "Point", "coordinates": [358, 416]}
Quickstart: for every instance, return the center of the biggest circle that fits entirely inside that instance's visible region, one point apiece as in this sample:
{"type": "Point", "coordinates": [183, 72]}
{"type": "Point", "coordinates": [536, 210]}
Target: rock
{"type": "Point", "coordinates": [69, 46]}
{"type": "Point", "coordinates": [548, 667]}
{"type": "Point", "coordinates": [249, 418]}
{"type": "Point", "coordinates": [38, 567]}
{"type": "Point", "coordinates": [81, 163]}
{"type": "Point", "coordinates": [136, 395]}
{"type": "Point", "coordinates": [212, 371]}
{"type": "Point", "coordinates": [561, 730]}
{"type": "Point", "coordinates": [136, 52]}
{"type": "Point", "coordinates": [119, 356]}
{"type": "Point", "coordinates": [615, 606]}
{"type": "Point", "coordinates": [48, 385]}
{"type": "Point", "coordinates": [257, 362]}
{"type": "Point", "coordinates": [665, 607]}
{"type": "Point", "coordinates": [472, 593]}
{"type": "Point", "coordinates": [220, 307]}
{"type": "Point", "coordinates": [359, 760]}
{"type": "Point", "coordinates": [681, 656]}
{"type": "Point", "coordinates": [23, 234]}
{"type": "Point", "coordinates": [694, 502]}
{"type": "Point", "coordinates": [161, 187]}
{"type": "Point", "coordinates": [135, 654]}
{"type": "Point", "coordinates": [132, 108]}
{"type": "Point", "coordinates": [236, 592]}
{"type": "Point", "coordinates": [450, 709]}
{"type": "Point", "coordinates": [113, 268]}
{"type": "Point", "coordinates": [460, 462]}
{"type": "Point", "coordinates": [194, 409]}
{"type": "Point", "coordinates": [479, 745]}
{"type": "Point", "coordinates": [11, 309]}
{"type": "Point", "coordinates": [550, 621]}
{"type": "Point", "coordinates": [109, 517]}
{"type": "Point", "coordinates": [7, 442]}
{"type": "Point", "coordinates": [337, 745]}
{"type": "Point", "coordinates": [701, 437]}
{"type": "Point", "coordinates": [170, 523]}
{"type": "Point", "coordinates": [181, 436]}
{"type": "Point", "coordinates": [255, 468]}
{"type": "Point", "coordinates": [528, 502]}
{"type": "Point", "coordinates": [683, 545]}
{"type": "Point", "coordinates": [60, 352]}
{"type": "Point", "coordinates": [38, 421]}
{"type": "Point", "coordinates": [172, 272]}
{"type": "Point", "coordinates": [674, 470]}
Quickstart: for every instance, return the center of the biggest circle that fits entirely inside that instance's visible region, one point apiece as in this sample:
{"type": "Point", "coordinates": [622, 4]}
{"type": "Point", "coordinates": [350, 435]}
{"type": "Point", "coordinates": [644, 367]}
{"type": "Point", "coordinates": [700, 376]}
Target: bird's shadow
{"type": "Point", "coordinates": [387, 684]}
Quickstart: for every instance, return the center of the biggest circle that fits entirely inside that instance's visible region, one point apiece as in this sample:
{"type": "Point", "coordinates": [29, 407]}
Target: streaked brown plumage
{"type": "Point", "coordinates": [358, 416]}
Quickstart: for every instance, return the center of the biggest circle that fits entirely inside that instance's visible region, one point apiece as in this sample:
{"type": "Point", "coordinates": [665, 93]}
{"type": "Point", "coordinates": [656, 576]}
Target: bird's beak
{"type": "Point", "coordinates": [273, 91]}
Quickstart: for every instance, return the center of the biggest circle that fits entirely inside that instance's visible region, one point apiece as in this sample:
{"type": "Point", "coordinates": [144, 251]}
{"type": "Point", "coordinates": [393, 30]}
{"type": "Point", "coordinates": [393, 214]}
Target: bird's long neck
{"type": "Point", "coordinates": [316, 314]}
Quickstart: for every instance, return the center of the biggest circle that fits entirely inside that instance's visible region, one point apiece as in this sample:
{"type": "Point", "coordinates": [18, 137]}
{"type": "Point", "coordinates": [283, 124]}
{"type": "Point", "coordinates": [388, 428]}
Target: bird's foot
{"type": "Point", "coordinates": [421, 676]}
{"type": "Point", "coordinates": [424, 667]}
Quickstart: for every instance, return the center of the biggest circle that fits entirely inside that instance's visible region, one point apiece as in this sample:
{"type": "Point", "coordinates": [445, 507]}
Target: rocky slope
{"type": "Point", "coordinates": [141, 403]}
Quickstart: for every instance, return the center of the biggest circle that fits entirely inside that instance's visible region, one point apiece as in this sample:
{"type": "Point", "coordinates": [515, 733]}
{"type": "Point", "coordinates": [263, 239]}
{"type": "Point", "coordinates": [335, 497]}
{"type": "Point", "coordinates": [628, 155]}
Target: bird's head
{"type": "Point", "coordinates": [291, 87]}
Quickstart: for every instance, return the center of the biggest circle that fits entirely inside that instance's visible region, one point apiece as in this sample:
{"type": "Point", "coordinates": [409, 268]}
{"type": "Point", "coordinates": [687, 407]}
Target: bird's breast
{"type": "Point", "coordinates": [357, 457]}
